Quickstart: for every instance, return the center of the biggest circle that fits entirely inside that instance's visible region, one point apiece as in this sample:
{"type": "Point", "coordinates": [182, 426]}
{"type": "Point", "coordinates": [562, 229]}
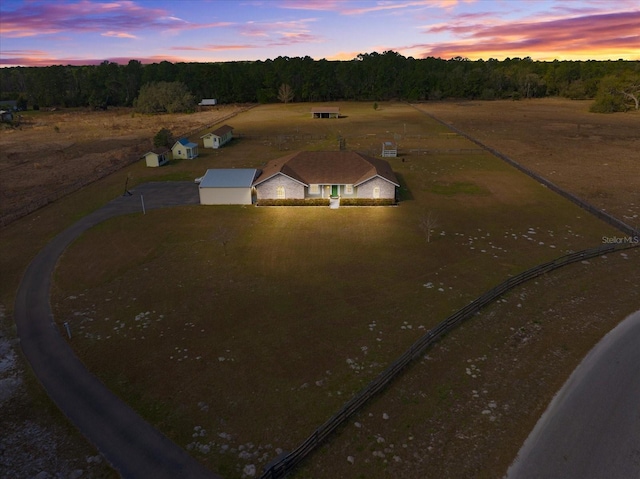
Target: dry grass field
{"type": "Point", "coordinates": [52, 153]}
{"type": "Point", "coordinates": [595, 156]}
{"type": "Point", "coordinates": [237, 351]}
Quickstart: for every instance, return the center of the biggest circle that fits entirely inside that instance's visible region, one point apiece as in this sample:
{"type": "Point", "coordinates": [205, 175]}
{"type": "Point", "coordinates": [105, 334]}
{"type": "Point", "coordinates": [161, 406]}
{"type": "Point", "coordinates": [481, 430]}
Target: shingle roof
{"type": "Point", "coordinates": [186, 142]}
{"type": "Point", "coordinates": [329, 168]}
{"type": "Point", "coordinates": [219, 131]}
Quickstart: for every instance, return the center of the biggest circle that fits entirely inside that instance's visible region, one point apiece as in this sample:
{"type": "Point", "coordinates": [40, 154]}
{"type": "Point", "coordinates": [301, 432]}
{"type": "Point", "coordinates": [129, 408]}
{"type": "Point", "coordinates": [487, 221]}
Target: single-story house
{"type": "Point", "coordinates": [218, 137]}
{"type": "Point", "coordinates": [208, 102]}
{"type": "Point", "coordinates": [184, 149]}
{"type": "Point", "coordinates": [156, 157]}
{"type": "Point", "coordinates": [325, 112]}
{"type": "Point", "coordinates": [227, 186]}
{"type": "Point", "coordinates": [389, 149]}
{"type": "Point", "coordinates": [326, 174]}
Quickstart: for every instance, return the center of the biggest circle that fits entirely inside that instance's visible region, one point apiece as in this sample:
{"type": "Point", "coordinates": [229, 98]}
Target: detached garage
{"type": "Point", "coordinates": [221, 186]}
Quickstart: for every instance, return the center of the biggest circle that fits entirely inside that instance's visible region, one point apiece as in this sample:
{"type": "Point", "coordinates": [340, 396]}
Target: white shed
{"type": "Point", "coordinates": [218, 137]}
{"type": "Point", "coordinates": [227, 186]}
{"type": "Point", "coordinates": [389, 149]}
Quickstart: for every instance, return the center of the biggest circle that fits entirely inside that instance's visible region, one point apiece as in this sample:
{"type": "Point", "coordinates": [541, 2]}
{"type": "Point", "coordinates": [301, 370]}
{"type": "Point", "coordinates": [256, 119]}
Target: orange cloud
{"type": "Point", "coordinates": [602, 36]}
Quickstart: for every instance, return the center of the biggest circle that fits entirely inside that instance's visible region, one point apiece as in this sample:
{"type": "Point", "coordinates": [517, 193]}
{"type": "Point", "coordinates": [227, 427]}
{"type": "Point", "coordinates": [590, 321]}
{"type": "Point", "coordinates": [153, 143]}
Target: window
{"type": "Point", "coordinates": [314, 189]}
{"type": "Point", "coordinates": [280, 192]}
{"type": "Point", "coordinates": [376, 192]}
{"type": "Point", "coordinates": [348, 189]}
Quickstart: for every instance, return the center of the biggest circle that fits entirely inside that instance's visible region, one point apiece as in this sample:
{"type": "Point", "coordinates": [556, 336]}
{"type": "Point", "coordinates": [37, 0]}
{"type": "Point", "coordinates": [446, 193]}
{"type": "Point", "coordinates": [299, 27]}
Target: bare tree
{"type": "Point", "coordinates": [428, 222]}
{"type": "Point", "coordinates": [285, 93]}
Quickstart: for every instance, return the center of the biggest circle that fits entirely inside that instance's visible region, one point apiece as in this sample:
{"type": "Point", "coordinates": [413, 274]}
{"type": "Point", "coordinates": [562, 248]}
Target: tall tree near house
{"type": "Point", "coordinates": [285, 93]}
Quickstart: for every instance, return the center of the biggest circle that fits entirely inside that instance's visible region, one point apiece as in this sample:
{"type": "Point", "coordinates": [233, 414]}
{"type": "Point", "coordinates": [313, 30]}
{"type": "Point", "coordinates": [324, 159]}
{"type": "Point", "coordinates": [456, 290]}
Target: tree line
{"type": "Point", "coordinates": [368, 77]}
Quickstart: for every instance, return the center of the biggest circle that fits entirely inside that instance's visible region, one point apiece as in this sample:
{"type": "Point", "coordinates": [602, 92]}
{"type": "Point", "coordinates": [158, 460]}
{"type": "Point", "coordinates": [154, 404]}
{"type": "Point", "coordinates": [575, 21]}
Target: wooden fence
{"type": "Point", "coordinates": [603, 215]}
{"type": "Point", "coordinates": [288, 462]}
{"type": "Point", "coordinates": [28, 208]}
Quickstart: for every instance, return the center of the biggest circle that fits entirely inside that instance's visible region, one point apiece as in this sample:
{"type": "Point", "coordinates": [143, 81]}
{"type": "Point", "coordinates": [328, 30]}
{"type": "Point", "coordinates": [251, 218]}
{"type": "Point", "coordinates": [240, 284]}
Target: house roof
{"type": "Point", "coordinates": [228, 178]}
{"type": "Point", "coordinates": [219, 131]}
{"type": "Point", "coordinates": [329, 168]}
{"type": "Point", "coordinates": [325, 109]}
{"type": "Point", "coordinates": [156, 151]}
{"type": "Point", "coordinates": [185, 142]}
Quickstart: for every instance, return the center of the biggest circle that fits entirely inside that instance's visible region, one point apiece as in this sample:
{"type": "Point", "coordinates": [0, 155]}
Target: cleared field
{"type": "Point", "coordinates": [237, 330]}
{"type": "Point", "coordinates": [300, 307]}
{"type": "Point", "coordinates": [53, 153]}
{"type": "Point", "coordinates": [594, 156]}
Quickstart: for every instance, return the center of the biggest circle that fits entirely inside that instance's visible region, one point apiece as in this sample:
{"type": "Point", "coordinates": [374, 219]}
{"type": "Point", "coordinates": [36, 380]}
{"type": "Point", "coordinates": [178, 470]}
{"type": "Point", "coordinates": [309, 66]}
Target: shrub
{"type": "Point", "coordinates": [294, 202]}
{"type": "Point", "coordinates": [367, 202]}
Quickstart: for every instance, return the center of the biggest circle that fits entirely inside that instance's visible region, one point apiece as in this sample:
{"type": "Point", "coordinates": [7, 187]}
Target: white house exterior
{"type": "Point", "coordinates": [227, 186]}
{"type": "Point", "coordinates": [218, 137]}
{"type": "Point", "coordinates": [326, 174]}
{"type": "Point", "coordinates": [389, 149]}
{"type": "Point", "coordinates": [184, 149]}
{"type": "Point", "coordinates": [156, 157]}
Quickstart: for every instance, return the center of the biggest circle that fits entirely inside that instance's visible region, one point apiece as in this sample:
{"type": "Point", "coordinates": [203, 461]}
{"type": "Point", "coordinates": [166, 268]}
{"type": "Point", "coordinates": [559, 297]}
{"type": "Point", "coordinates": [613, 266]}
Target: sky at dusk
{"type": "Point", "coordinates": [82, 32]}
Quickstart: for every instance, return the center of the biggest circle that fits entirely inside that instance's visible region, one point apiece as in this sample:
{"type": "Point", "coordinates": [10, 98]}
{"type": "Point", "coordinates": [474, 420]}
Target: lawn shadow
{"type": "Point", "coordinates": [404, 193]}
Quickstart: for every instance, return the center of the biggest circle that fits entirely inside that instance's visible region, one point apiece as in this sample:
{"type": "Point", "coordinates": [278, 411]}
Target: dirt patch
{"type": "Point", "coordinates": [33, 444]}
{"type": "Point", "coordinates": [594, 156]}
{"type": "Point", "coordinates": [54, 153]}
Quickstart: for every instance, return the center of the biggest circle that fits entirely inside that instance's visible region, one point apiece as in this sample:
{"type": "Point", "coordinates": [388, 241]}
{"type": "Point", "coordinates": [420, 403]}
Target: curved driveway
{"type": "Point", "coordinates": [591, 429]}
{"type": "Point", "coordinates": [130, 444]}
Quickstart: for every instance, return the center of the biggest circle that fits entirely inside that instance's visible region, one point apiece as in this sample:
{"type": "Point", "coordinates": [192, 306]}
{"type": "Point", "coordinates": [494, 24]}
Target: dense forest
{"type": "Point", "coordinates": [370, 76]}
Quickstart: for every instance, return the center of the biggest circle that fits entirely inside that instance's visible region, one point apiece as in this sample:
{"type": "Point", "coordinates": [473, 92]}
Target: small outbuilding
{"type": "Point", "coordinates": [227, 186]}
{"type": "Point", "coordinates": [389, 149]}
{"type": "Point", "coordinates": [208, 102]}
{"type": "Point", "coordinates": [184, 149]}
{"type": "Point", "coordinates": [218, 137]}
{"type": "Point", "coordinates": [325, 112]}
{"type": "Point", "coordinates": [156, 157]}
{"type": "Point", "coordinates": [6, 115]}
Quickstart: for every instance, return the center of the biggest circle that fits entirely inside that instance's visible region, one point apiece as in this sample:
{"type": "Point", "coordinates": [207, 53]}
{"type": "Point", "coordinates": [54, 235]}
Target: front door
{"type": "Point", "coordinates": [334, 190]}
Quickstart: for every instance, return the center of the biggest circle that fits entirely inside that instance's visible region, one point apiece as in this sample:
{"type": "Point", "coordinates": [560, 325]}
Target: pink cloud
{"type": "Point", "coordinates": [44, 18]}
{"type": "Point", "coordinates": [118, 35]}
{"type": "Point", "coordinates": [34, 59]}
{"type": "Point", "coordinates": [584, 35]}
{"type": "Point", "coordinates": [355, 8]}
{"type": "Point", "coordinates": [215, 48]}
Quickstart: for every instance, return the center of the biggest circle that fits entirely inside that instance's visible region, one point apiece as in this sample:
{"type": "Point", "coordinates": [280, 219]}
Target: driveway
{"type": "Point", "coordinates": [131, 445]}
{"type": "Point", "coordinates": [591, 429]}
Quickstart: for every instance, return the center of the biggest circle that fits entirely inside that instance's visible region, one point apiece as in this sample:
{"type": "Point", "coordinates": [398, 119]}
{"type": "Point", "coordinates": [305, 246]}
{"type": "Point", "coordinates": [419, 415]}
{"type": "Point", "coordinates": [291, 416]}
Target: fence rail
{"type": "Point", "coordinates": [603, 215]}
{"type": "Point", "coordinates": [14, 214]}
{"type": "Point", "coordinates": [285, 465]}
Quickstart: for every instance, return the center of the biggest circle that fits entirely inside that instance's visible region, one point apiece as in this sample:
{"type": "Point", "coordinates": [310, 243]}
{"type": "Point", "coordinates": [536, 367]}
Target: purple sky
{"type": "Point", "coordinates": [51, 32]}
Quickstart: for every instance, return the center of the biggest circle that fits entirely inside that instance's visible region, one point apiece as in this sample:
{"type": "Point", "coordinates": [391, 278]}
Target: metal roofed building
{"type": "Point", "coordinates": [227, 186]}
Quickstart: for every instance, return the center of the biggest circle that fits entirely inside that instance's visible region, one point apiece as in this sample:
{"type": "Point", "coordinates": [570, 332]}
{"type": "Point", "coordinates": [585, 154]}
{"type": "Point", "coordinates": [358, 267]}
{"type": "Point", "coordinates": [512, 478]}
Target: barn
{"type": "Point", "coordinates": [325, 112]}
{"type": "Point", "coordinates": [227, 186]}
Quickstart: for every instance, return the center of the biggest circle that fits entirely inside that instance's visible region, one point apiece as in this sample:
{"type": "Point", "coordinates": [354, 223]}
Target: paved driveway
{"type": "Point", "coordinates": [130, 444]}
{"type": "Point", "coordinates": [591, 429]}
